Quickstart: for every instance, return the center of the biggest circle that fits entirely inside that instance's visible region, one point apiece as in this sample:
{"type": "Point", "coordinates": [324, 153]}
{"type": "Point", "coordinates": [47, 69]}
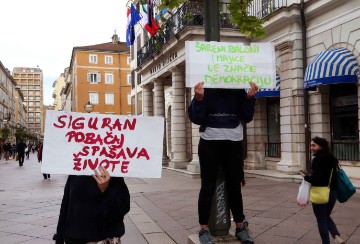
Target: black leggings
{"type": "Point", "coordinates": [229, 155]}
{"type": "Point", "coordinates": [325, 223]}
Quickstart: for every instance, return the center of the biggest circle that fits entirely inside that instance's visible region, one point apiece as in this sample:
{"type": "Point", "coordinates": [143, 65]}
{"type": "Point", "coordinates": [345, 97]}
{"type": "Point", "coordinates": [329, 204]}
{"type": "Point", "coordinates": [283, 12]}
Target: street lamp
{"type": "Point", "coordinates": [89, 107]}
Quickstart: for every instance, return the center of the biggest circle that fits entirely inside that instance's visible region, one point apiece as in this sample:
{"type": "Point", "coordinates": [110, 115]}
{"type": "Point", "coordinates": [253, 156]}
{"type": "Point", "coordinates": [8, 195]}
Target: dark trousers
{"type": "Point", "coordinates": [325, 223]}
{"type": "Point", "coordinates": [21, 159]}
{"type": "Point", "coordinates": [229, 155]}
{"type": "Point", "coordinates": [46, 176]}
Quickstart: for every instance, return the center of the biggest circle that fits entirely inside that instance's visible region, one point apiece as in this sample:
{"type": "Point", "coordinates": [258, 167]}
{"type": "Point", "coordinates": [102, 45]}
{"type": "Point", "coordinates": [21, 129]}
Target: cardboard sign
{"type": "Point", "coordinates": [78, 143]}
{"type": "Point", "coordinates": [230, 65]}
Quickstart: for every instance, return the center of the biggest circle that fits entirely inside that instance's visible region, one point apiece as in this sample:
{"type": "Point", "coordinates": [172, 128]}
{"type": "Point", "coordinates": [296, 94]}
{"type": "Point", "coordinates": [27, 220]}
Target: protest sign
{"type": "Point", "coordinates": [230, 65]}
{"type": "Point", "coordinates": [78, 143]}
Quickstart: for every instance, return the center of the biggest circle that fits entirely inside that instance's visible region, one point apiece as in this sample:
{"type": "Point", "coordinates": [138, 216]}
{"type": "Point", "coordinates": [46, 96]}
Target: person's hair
{"type": "Point", "coordinates": [324, 144]}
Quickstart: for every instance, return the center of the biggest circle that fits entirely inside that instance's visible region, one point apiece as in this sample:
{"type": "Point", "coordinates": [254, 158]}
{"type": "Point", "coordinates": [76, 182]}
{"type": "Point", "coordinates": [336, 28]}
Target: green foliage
{"type": "Point", "coordinates": [248, 25]}
{"type": "Point", "coordinates": [5, 133]}
{"type": "Point", "coordinates": [239, 16]}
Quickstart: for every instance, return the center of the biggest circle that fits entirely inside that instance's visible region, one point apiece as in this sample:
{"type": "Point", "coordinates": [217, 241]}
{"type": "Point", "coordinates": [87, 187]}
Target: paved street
{"type": "Point", "coordinates": [163, 210]}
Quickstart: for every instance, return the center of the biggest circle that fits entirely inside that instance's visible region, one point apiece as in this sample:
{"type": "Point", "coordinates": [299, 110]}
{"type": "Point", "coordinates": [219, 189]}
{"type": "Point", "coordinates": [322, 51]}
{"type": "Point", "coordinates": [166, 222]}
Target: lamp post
{"type": "Point", "coordinates": [89, 107]}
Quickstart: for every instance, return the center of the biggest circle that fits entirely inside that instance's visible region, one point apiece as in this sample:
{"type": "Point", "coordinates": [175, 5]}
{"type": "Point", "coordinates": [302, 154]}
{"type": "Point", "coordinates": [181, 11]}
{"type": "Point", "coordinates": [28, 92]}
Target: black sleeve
{"type": "Point", "coordinates": [58, 237]}
{"type": "Point", "coordinates": [115, 200]}
{"type": "Point", "coordinates": [197, 112]}
{"type": "Point", "coordinates": [248, 108]}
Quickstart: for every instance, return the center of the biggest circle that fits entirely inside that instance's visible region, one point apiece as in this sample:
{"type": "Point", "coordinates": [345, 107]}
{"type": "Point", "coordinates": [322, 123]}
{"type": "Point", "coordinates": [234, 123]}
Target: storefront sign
{"type": "Point", "coordinates": [78, 143]}
{"type": "Point", "coordinates": [230, 65]}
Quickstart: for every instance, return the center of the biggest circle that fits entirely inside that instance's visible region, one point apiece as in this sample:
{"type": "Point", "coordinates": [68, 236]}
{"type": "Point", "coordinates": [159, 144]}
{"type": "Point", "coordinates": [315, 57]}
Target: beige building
{"type": "Point", "coordinates": [30, 81]}
{"type": "Point", "coordinates": [317, 47]}
{"type": "Point", "coordinates": [58, 85]}
{"type": "Point", "coordinates": [7, 104]}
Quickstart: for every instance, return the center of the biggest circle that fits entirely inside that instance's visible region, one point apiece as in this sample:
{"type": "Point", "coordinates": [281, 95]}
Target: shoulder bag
{"type": "Point", "coordinates": [320, 194]}
{"type": "Point", "coordinates": [345, 188]}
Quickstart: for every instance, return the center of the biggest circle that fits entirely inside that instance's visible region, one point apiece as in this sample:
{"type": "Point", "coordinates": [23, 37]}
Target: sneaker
{"type": "Point", "coordinates": [205, 237]}
{"type": "Point", "coordinates": [339, 240]}
{"type": "Point", "coordinates": [243, 235]}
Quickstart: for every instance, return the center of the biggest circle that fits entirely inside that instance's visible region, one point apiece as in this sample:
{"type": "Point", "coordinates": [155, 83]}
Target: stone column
{"type": "Point", "coordinates": [148, 100]}
{"type": "Point", "coordinates": [291, 109]}
{"type": "Point", "coordinates": [256, 137]}
{"type": "Point", "coordinates": [194, 165]}
{"type": "Point", "coordinates": [178, 127]}
{"type": "Point", "coordinates": [159, 110]}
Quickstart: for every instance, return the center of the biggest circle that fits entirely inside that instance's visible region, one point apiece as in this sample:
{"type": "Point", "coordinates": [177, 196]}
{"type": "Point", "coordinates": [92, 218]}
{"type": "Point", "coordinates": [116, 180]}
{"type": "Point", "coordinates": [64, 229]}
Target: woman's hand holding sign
{"type": "Point", "coordinates": [102, 178]}
{"type": "Point", "coordinates": [252, 91]}
{"type": "Point", "coordinates": [199, 91]}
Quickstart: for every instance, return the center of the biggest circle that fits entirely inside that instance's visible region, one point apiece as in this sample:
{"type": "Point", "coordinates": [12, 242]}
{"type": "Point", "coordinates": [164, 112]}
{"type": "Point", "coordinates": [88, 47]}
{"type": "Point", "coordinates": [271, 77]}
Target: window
{"type": "Point", "coordinates": [109, 78]}
{"type": "Point", "coordinates": [129, 99]}
{"type": "Point", "coordinates": [37, 103]}
{"type": "Point", "coordinates": [30, 98]}
{"type": "Point", "coordinates": [23, 87]}
{"type": "Point", "coordinates": [37, 98]}
{"type": "Point", "coordinates": [273, 127]}
{"type": "Point", "coordinates": [108, 59]}
{"type": "Point", "coordinates": [93, 77]}
{"type": "Point", "coordinates": [37, 114]}
{"type": "Point", "coordinates": [109, 98]}
{"type": "Point", "coordinates": [93, 58]}
{"type": "Point", "coordinates": [129, 79]}
{"type": "Point", "coordinates": [94, 97]}
{"type": "Point", "coordinates": [31, 104]}
{"type": "Point", "coordinates": [31, 114]}
{"type": "Point", "coordinates": [31, 87]}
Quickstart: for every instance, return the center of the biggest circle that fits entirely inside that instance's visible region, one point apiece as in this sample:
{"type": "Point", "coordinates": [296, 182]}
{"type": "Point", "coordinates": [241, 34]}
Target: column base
{"type": "Point", "coordinates": [165, 161]}
{"type": "Point", "coordinates": [194, 167]}
{"type": "Point", "coordinates": [178, 164]}
{"type": "Point", "coordinates": [288, 167]}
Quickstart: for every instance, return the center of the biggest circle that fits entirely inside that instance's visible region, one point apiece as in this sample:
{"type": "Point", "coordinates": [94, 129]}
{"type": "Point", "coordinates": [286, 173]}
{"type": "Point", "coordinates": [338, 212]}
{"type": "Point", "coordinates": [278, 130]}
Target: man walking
{"type": "Point", "coordinates": [20, 148]}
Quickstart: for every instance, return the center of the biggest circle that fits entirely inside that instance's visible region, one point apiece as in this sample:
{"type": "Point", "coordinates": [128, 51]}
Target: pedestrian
{"type": "Point", "coordinates": [93, 209]}
{"type": "Point", "coordinates": [13, 151]}
{"type": "Point", "coordinates": [20, 148]}
{"type": "Point", "coordinates": [39, 157]}
{"type": "Point", "coordinates": [323, 166]}
{"type": "Point", "coordinates": [7, 150]}
{"type": "Point", "coordinates": [219, 112]}
{"type": "Point", "coordinates": [27, 151]}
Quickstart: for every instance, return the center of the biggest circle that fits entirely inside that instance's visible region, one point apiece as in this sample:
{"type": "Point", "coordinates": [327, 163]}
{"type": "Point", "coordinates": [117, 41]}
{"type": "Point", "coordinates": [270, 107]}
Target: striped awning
{"type": "Point", "coordinates": [274, 92]}
{"type": "Point", "coordinates": [331, 67]}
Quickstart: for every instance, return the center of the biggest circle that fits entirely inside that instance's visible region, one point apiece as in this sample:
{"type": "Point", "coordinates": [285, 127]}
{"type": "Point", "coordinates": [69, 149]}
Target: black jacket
{"type": "Point", "coordinates": [222, 108]}
{"type": "Point", "coordinates": [87, 215]}
{"type": "Point", "coordinates": [321, 166]}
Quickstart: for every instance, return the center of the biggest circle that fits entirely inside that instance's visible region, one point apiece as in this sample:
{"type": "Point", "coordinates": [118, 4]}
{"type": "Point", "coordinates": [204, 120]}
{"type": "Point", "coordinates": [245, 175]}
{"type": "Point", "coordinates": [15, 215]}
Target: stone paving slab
{"type": "Point", "coordinates": [165, 210]}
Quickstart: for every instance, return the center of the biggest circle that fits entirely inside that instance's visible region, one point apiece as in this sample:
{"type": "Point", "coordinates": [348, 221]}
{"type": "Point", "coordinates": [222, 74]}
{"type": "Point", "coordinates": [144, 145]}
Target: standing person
{"type": "Point", "coordinates": [20, 148]}
{"type": "Point", "coordinates": [93, 209]}
{"type": "Point", "coordinates": [7, 150]}
{"type": "Point", "coordinates": [27, 151]}
{"type": "Point", "coordinates": [322, 164]}
{"type": "Point", "coordinates": [219, 113]}
{"type": "Point", "coordinates": [39, 156]}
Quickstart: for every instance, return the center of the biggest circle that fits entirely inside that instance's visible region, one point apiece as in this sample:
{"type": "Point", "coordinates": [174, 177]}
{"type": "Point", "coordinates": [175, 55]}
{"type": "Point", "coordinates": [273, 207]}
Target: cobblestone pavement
{"type": "Point", "coordinates": [163, 211]}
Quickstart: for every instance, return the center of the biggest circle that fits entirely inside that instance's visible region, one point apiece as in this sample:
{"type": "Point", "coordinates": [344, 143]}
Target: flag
{"type": "Point", "coordinates": [132, 18]}
{"type": "Point", "coordinates": [148, 20]}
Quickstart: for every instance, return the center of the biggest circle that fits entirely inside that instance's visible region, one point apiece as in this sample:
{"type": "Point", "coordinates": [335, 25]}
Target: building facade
{"type": "Point", "coordinates": [7, 105]}
{"type": "Point", "coordinates": [58, 85]}
{"type": "Point", "coordinates": [30, 81]}
{"type": "Point", "coordinates": [317, 64]}
{"type": "Point", "coordinates": [99, 74]}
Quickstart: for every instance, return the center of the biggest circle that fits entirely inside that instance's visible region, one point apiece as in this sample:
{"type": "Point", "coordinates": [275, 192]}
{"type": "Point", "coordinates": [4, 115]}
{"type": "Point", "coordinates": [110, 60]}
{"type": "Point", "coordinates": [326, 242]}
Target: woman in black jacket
{"type": "Point", "coordinates": [93, 209]}
{"type": "Point", "coordinates": [324, 165]}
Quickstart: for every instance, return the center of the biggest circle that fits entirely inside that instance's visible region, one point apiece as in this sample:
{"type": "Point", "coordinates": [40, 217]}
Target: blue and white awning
{"type": "Point", "coordinates": [274, 92]}
{"type": "Point", "coordinates": [331, 67]}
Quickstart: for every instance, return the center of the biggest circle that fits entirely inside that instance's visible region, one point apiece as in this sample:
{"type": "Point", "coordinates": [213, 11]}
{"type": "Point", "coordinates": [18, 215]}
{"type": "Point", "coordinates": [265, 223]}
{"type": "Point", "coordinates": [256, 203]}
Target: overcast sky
{"type": "Point", "coordinates": [43, 32]}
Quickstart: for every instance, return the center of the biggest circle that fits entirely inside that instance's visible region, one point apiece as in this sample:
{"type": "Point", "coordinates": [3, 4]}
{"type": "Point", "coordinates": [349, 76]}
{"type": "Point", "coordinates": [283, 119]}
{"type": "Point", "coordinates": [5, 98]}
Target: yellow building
{"type": "Point", "coordinates": [100, 74]}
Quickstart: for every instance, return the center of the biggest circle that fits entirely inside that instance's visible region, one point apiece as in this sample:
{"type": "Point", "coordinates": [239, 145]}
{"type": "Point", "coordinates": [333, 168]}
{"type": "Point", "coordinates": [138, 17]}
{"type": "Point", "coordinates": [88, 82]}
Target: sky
{"type": "Point", "coordinates": [43, 32]}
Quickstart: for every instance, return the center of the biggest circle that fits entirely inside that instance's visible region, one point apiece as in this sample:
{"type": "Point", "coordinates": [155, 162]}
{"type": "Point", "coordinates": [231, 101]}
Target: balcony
{"type": "Point", "coordinates": [192, 14]}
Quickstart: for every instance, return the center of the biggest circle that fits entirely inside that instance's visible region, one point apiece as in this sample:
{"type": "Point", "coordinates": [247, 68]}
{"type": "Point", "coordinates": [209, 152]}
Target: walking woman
{"type": "Point", "coordinates": [323, 166]}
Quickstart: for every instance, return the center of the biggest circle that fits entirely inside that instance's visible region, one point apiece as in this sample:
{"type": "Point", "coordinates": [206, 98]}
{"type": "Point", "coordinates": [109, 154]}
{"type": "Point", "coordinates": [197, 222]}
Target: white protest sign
{"type": "Point", "coordinates": [78, 143]}
{"type": "Point", "coordinates": [230, 65]}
